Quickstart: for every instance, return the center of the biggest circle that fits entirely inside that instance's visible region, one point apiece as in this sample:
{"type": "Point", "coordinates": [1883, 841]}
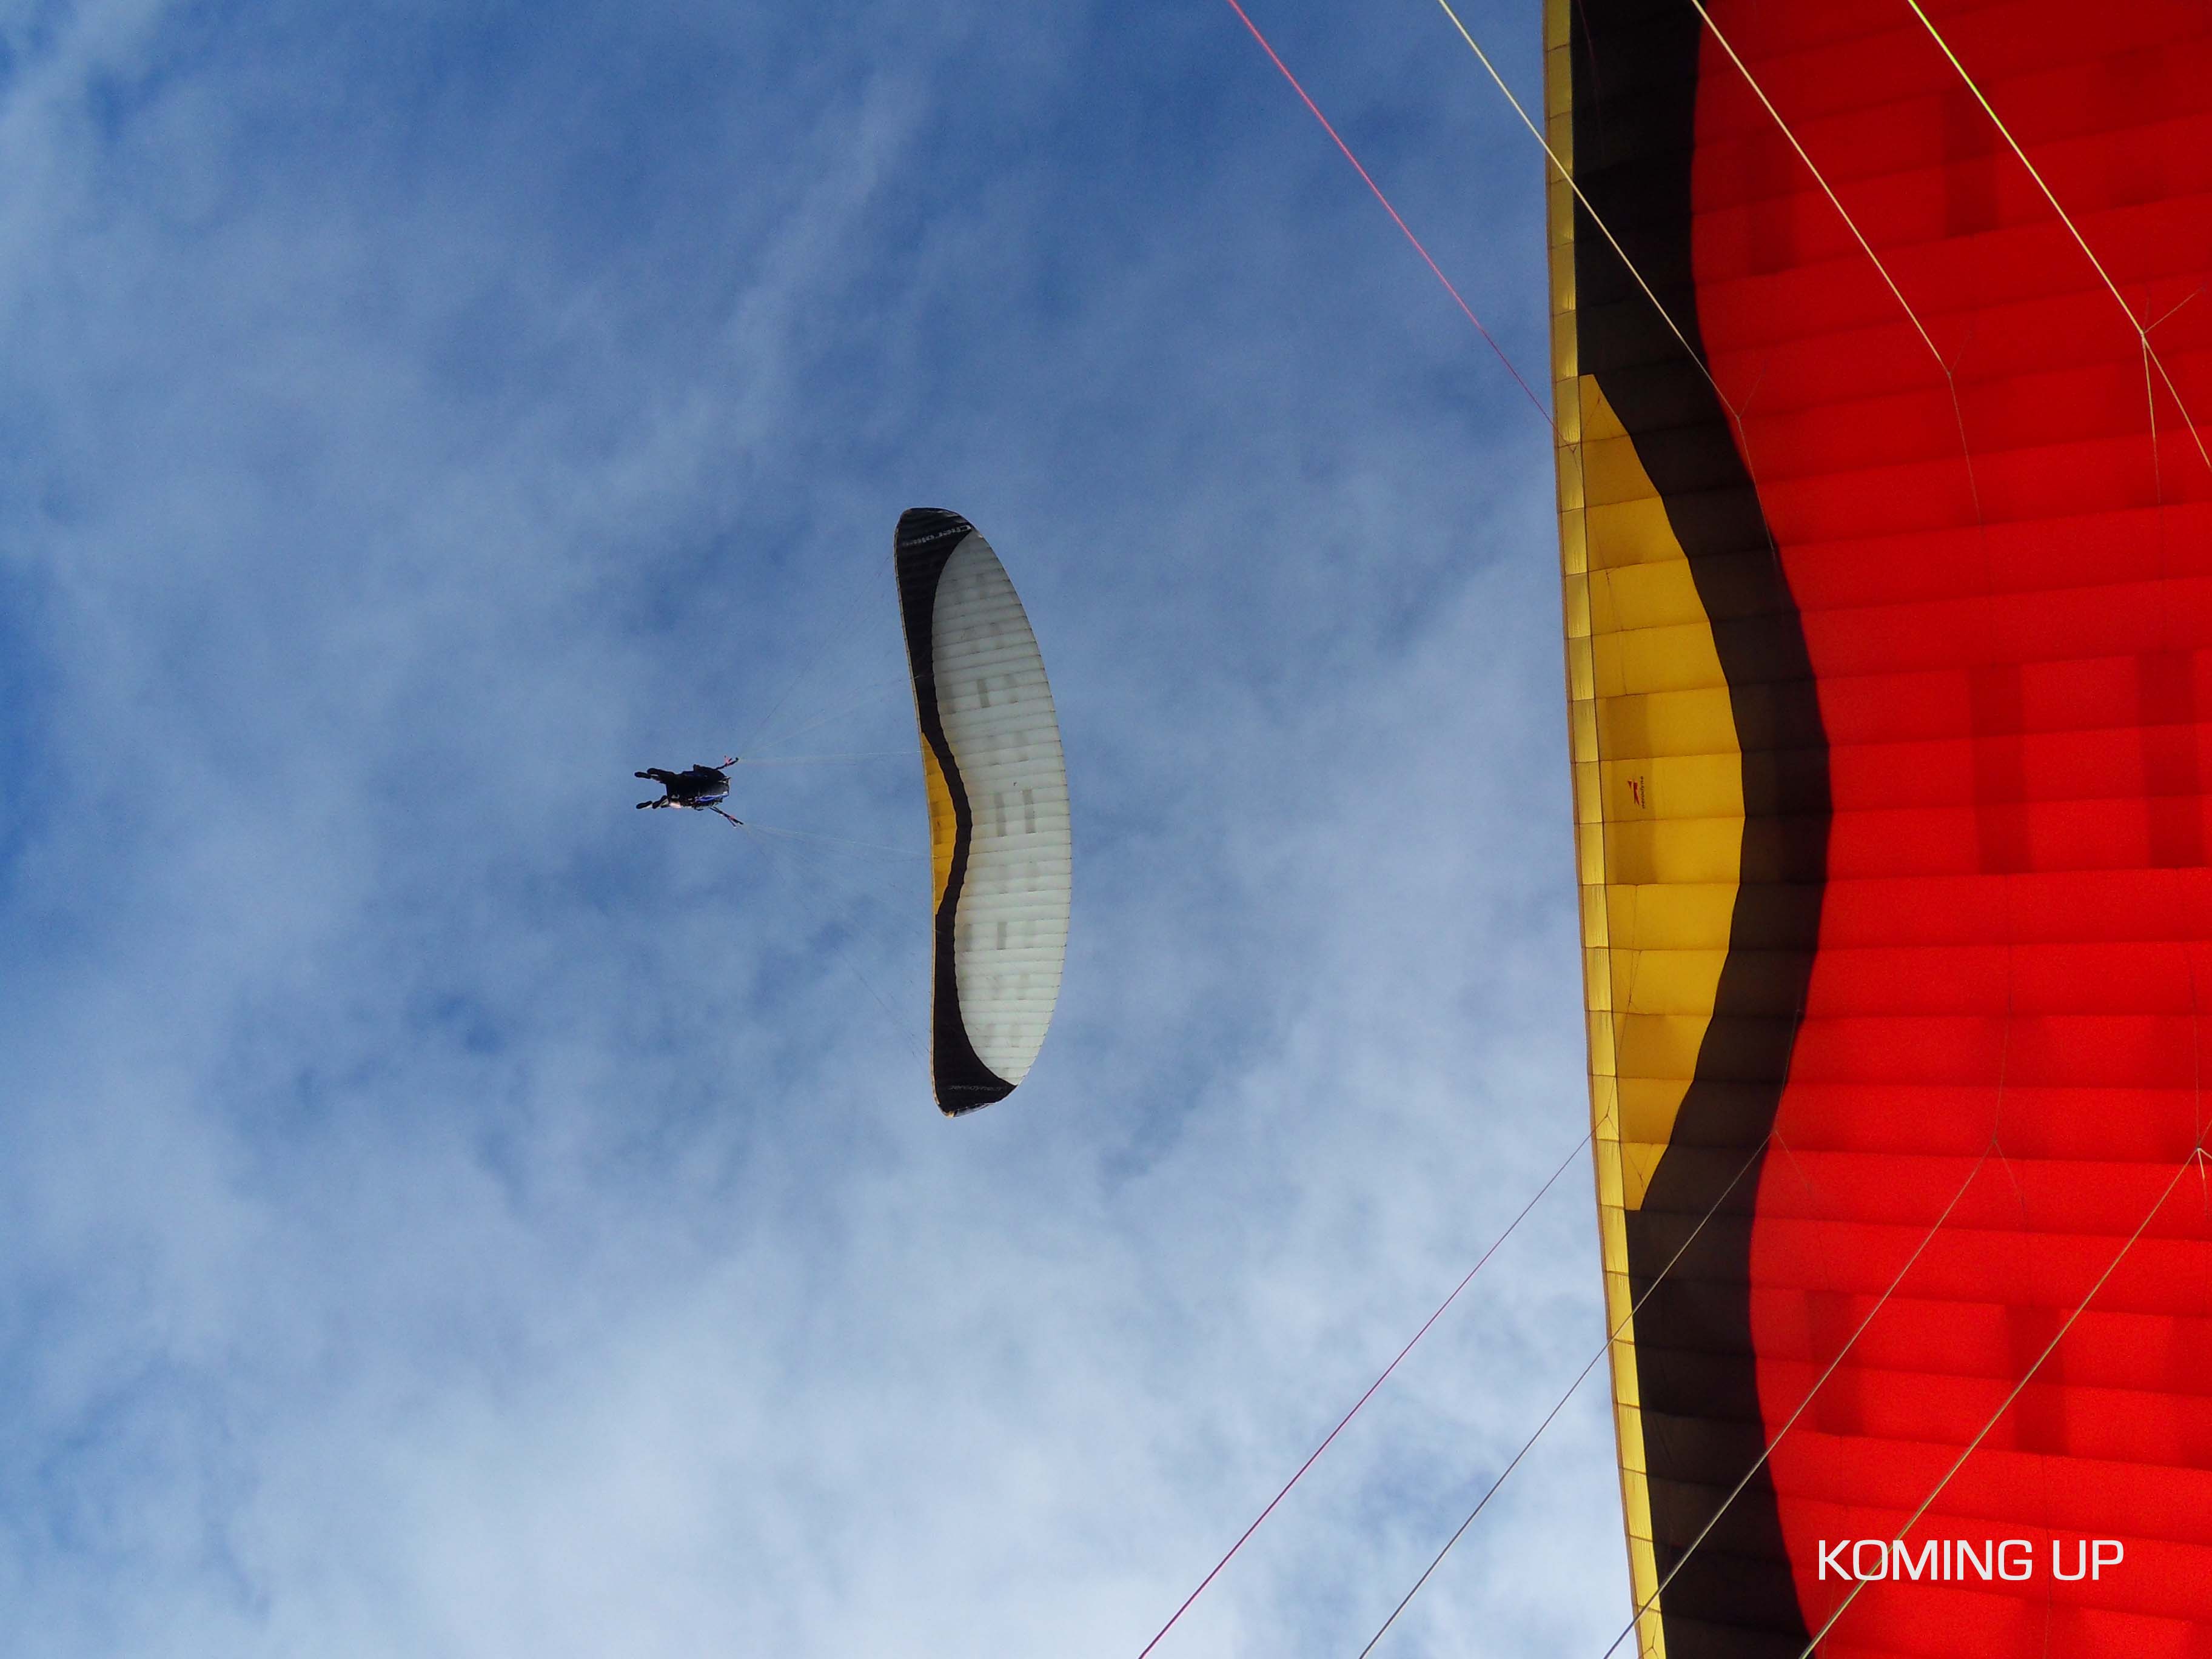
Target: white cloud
{"type": "Point", "coordinates": [451, 1213]}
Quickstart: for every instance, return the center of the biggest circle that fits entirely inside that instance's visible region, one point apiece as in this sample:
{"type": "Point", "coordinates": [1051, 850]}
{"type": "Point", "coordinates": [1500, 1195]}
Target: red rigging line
{"type": "Point", "coordinates": [1536, 403]}
{"type": "Point", "coordinates": [2000, 845]}
{"type": "Point", "coordinates": [1573, 1154]}
{"type": "Point", "coordinates": [1612, 1336]}
{"type": "Point", "coordinates": [1368, 178]}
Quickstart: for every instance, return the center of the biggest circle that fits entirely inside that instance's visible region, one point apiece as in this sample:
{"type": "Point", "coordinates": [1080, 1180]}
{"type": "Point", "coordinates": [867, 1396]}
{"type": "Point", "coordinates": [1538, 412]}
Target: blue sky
{"type": "Point", "coordinates": [447, 1213]}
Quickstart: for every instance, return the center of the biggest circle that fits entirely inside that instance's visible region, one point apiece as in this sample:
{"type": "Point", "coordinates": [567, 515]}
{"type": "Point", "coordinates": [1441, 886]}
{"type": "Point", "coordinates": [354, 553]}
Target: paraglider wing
{"type": "Point", "coordinates": [999, 843]}
{"type": "Point", "coordinates": [1889, 652]}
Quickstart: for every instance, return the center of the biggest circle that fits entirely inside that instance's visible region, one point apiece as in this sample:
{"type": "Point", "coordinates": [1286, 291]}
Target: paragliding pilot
{"type": "Point", "coordinates": [701, 789]}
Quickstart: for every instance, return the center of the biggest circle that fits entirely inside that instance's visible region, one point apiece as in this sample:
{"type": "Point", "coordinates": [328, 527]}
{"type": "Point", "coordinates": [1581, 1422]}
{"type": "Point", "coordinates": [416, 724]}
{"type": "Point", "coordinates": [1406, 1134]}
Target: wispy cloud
{"type": "Point", "coordinates": [449, 1212]}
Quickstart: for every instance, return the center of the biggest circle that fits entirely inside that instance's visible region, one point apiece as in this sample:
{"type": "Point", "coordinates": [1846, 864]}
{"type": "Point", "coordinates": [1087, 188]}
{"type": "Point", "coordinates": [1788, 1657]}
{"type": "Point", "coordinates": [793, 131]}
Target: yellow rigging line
{"type": "Point", "coordinates": [1567, 173]}
{"type": "Point", "coordinates": [1950, 373]}
{"type": "Point", "coordinates": [1647, 1604]}
{"type": "Point", "coordinates": [1811, 1393]}
{"type": "Point", "coordinates": [1573, 1389]}
{"type": "Point", "coordinates": [2196, 1157]}
{"type": "Point", "coordinates": [1820, 179]}
{"type": "Point", "coordinates": [2151, 359]}
{"type": "Point", "coordinates": [2142, 333]}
